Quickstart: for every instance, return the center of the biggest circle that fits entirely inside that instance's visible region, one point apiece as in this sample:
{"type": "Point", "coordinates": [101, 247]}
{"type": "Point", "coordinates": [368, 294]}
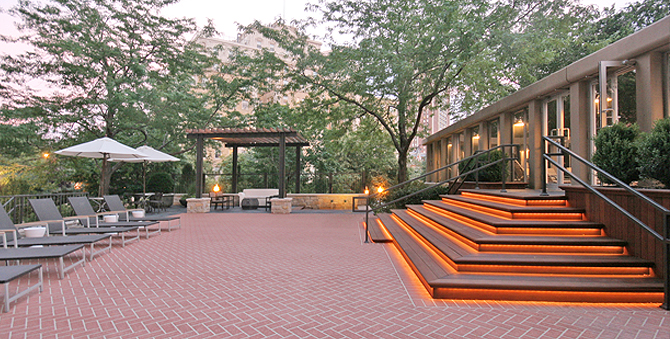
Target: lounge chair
{"type": "Point", "coordinates": [9, 273]}
{"type": "Point", "coordinates": [115, 204]}
{"type": "Point", "coordinates": [83, 208]}
{"type": "Point", "coordinates": [11, 236]}
{"type": "Point", "coordinates": [46, 210]}
{"type": "Point", "coordinates": [51, 252]}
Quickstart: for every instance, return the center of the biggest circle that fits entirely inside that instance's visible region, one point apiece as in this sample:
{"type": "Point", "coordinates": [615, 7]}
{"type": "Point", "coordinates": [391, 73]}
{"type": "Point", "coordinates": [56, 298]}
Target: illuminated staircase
{"type": "Point", "coordinates": [515, 247]}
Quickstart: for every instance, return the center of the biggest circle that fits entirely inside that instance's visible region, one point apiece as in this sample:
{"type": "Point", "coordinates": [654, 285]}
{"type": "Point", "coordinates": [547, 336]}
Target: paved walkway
{"type": "Point", "coordinates": [303, 275]}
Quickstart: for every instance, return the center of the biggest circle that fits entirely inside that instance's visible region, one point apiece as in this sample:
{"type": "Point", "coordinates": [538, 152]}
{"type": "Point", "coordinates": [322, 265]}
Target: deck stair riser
{"type": "Point", "coordinates": [463, 258]}
{"type": "Point", "coordinates": [554, 202]}
{"type": "Point", "coordinates": [467, 248]}
{"type": "Point", "coordinates": [497, 225]}
{"type": "Point", "coordinates": [509, 211]}
{"type": "Point", "coordinates": [484, 241]}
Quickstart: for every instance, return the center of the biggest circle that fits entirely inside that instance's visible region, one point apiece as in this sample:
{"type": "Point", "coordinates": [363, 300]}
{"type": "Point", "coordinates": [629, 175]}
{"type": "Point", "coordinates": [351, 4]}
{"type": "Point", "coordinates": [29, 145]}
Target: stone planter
{"type": "Point", "coordinates": [281, 206]}
{"type": "Point", "coordinates": [197, 205]}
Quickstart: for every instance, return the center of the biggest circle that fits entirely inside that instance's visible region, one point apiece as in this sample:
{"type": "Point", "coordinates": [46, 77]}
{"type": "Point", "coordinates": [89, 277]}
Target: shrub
{"type": "Point", "coordinates": [187, 179]}
{"type": "Point", "coordinates": [654, 153]}
{"type": "Point", "coordinates": [431, 194]}
{"type": "Point", "coordinates": [160, 182]}
{"type": "Point", "coordinates": [616, 152]}
{"type": "Point", "coordinates": [492, 173]}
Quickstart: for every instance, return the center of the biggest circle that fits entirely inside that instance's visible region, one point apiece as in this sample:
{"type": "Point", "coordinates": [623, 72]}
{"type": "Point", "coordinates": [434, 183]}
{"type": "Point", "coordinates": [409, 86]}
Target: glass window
{"type": "Point", "coordinates": [494, 136]}
{"type": "Point", "coordinates": [475, 139]}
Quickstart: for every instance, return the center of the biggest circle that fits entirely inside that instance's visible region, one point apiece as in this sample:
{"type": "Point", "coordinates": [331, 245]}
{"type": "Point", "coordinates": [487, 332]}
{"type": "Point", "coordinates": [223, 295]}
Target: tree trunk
{"type": "Point", "coordinates": [106, 172]}
{"type": "Point", "coordinates": [402, 166]}
{"type": "Point", "coordinates": [104, 180]}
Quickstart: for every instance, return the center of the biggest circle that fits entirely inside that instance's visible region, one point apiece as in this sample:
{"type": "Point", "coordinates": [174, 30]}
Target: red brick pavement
{"type": "Point", "coordinates": [286, 276]}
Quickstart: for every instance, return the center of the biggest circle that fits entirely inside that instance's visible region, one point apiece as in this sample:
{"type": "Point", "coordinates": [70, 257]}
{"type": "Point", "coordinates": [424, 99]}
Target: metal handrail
{"type": "Point", "coordinates": [546, 157]}
{"type": "Point", "coordinates": [474, 170]}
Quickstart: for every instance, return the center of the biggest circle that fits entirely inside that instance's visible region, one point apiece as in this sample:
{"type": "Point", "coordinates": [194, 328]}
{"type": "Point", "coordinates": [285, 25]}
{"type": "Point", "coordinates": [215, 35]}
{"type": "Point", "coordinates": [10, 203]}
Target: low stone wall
{"type": "Point", "coordinates": [318, 201]}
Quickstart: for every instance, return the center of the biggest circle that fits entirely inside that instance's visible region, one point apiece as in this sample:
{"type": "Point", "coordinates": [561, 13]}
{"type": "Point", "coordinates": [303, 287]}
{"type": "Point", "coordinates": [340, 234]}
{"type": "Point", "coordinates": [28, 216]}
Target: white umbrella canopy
{"type": "Point", "coordinates": [102, 148]}
{"type": "Point", "coordinates": [152, 155]}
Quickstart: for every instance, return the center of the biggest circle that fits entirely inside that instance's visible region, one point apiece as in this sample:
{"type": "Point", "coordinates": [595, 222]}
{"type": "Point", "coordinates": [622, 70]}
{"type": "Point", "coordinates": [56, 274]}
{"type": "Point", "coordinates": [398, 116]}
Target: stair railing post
{"type": "Point", "coordinates": [502, 170]}
{"type": "Point", "coordinates": [367, 214]}
{"type": "Point", "coordinates": [666, 260]}
{"type": "Point", "coordinates": [544, 169]}
{"type": "Point", "coordinates": [477, 173]}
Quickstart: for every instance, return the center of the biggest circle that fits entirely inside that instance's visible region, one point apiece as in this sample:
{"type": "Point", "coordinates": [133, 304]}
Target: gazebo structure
{"type": "Point", "coordinates": [249, 137]}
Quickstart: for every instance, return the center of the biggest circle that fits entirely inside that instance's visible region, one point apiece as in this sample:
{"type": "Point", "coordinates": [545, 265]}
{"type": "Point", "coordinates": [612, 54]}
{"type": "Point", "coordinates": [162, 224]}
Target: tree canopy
{"type": "Point", "coordinates": [112, 68]}
{"type": "Point", "coordinates": [406, 57]}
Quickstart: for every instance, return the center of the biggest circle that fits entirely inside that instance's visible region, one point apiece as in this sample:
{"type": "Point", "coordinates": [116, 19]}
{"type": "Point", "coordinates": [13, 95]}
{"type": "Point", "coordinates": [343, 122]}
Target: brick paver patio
{"type": "Point", "coordinates": [303, 275]}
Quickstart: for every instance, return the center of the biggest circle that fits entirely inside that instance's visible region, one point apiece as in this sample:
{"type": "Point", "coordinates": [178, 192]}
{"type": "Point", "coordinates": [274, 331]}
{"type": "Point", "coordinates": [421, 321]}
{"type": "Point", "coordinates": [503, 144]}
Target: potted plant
{"type": "Point", "coordinates": [183, 201]}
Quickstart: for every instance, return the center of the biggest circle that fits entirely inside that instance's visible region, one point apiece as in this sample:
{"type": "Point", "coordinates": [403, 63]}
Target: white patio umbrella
{"type": "Point", "coordinates": [105, 148]}
{"type": "Point", "coordinates": [152, 155]}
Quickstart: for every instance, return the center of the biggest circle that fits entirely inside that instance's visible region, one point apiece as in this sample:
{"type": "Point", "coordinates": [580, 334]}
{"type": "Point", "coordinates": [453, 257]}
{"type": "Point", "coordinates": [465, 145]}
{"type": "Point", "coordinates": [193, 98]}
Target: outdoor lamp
{"type": "Point", "coordinates": [380, 189]}
{"type": "Point", "coordinates": [216, 188]}
{"type": "Point", "coordinates": [367, 191]}
{"type": "Point", "coordinates": [519, 123]}
{"type": "Point", "coordinates": [45, 155]}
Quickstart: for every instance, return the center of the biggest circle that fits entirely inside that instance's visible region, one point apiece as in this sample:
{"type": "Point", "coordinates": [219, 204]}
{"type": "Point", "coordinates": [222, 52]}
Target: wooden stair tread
{"type": "Point", "coordinates": [376, 233]}
{"type": "Point", "coordinates": [513, 208]}
{"type": "Point", "coordinates": [463, 255]}
{"type": "Point", "coordinates": [549, 283]}
{"type": "Point", "coordinates": [481, 237]}
{"type": "Point", "coordinates": [518, 194]}
{"type": "Point", "coordinates": [432, 272]}
{"type": "Point", "coordinates": [428, 266]}
{"type": "Point", "coordinates": [500, 222]}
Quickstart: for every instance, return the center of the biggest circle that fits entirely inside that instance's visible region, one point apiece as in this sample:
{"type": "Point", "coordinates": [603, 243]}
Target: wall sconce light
{"type": "Point", "coordinates": [519, 123]}
{"type": "Point", "coordinates": [475, 137]}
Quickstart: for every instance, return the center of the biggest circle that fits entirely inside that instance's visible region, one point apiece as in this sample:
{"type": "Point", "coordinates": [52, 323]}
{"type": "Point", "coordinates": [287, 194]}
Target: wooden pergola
{"type": "Point", "coordinates": [249, 137]}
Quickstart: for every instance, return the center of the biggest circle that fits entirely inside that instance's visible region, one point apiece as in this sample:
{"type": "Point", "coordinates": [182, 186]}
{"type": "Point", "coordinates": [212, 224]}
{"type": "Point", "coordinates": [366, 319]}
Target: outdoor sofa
{"type": "Point", "coordinates": [262, 195]}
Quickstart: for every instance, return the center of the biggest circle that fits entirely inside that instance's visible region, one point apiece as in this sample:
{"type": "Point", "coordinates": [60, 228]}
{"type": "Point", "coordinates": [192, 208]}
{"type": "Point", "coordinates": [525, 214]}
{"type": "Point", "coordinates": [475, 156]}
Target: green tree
{"type": "Point", "coordinates": [406, 56]}
{"type": "Point", "coordinates": [107, 68]}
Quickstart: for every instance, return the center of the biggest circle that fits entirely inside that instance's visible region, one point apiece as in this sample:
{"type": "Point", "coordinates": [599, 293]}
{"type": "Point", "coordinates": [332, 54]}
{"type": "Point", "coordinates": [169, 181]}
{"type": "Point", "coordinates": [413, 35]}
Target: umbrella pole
{"type": "Point", "coordinates": [144, 178]}
{"type": "Point", "coordinates": [144, 185]}
{"type": "Point", "coordinates": [103, 175]}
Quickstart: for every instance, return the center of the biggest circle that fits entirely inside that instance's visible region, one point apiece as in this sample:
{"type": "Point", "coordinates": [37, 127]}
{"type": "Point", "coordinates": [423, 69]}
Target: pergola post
{"type": "Point", "coordinates": [247, 137]}
{"type": "Point", "coordinates": [198, 167]}
{"type": "Point", "coordinates": [282, 162]}
{"type": "Point", "coordinates": [234, 188]}
{"type": "Point", "coordinates": [298, 153]}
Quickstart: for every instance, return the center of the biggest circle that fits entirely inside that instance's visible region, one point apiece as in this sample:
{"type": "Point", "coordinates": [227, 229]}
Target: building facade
{"type": "Point", "coordinates": [567, 104]}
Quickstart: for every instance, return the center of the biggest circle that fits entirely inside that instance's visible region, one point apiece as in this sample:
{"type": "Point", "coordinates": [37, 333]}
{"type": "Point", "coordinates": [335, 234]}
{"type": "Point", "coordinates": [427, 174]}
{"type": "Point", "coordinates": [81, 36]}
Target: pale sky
{"type": "Point", "coordinates": [227, 13]}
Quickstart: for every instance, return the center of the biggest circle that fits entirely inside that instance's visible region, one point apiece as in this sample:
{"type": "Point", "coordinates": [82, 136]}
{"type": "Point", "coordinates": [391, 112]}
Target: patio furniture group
{"type": "Point", "coordinates": [65, 237]}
